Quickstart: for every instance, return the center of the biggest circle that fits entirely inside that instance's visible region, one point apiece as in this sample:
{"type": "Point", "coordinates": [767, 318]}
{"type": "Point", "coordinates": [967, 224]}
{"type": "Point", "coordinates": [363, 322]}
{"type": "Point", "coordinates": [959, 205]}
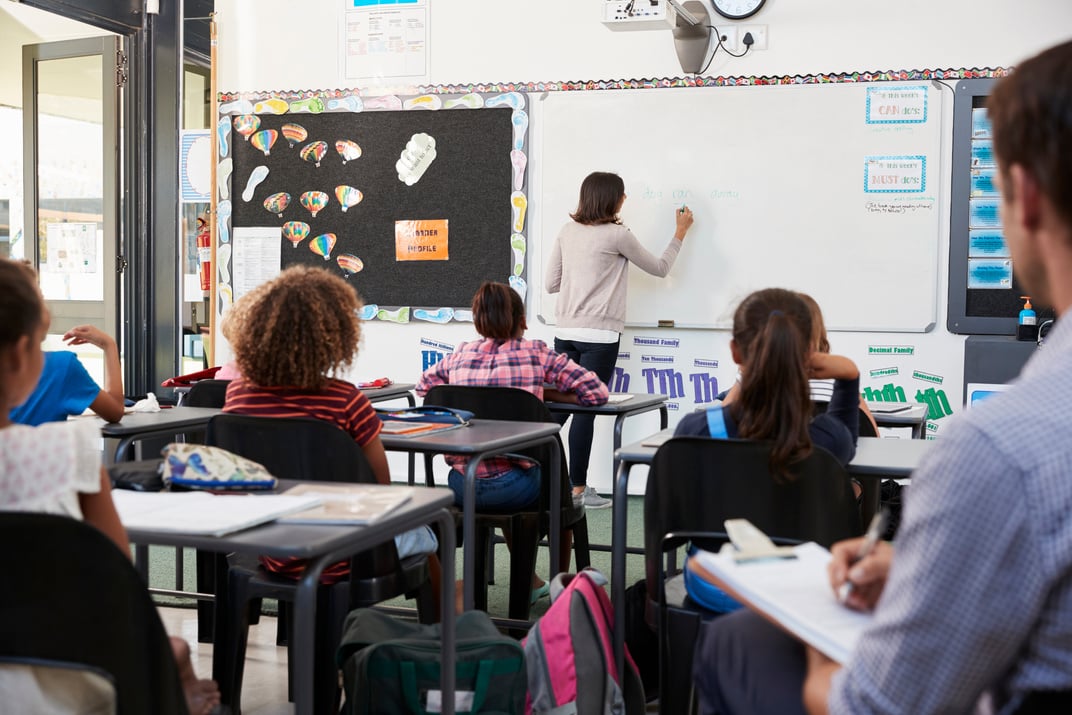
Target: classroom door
{"type": "Point", "coordinates": [71, 94]}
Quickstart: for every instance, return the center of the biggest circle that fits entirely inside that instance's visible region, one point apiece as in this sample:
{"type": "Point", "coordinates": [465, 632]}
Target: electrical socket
{"type": "Point", "coordinates": [729, 32]}
{"type": "Point", "coordinates": [759, 35]}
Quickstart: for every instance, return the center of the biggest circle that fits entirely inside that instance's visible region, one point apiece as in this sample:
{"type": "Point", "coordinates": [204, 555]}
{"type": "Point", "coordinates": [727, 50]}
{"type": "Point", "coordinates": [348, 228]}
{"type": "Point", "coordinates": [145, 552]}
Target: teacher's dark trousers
{"type": "Point", "coordinates": [600, 358]}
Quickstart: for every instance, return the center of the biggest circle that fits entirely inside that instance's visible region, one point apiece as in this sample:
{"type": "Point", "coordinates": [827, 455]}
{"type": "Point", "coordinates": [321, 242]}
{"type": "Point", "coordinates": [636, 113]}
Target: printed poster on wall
{"type": "Point", "coordinates": [385, 40]}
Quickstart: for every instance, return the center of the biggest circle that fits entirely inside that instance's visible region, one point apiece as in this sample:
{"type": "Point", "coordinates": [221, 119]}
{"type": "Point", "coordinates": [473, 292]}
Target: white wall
{"type": "Point", "coordinates": [271, 45]}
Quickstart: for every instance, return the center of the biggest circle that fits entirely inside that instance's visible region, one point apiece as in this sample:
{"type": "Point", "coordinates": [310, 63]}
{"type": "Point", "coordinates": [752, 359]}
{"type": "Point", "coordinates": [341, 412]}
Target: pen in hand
{"type": "Point", "coordinates": [871, 539]}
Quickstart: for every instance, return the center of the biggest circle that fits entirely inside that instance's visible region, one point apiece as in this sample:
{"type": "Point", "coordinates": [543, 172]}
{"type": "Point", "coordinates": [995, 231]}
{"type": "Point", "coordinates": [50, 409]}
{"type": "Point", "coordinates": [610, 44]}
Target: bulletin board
{"type": "Point", "coordinates": [832, 189]}
{"type": "Point", "coordinates": [413, 200]}
{"type": "Point", "coordinates": [984, 294]}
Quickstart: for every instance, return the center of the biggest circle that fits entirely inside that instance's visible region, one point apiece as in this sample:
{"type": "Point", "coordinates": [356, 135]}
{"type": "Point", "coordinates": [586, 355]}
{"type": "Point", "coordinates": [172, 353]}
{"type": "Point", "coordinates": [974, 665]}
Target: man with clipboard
{"type": "Point", "coordinates": [972, 606]}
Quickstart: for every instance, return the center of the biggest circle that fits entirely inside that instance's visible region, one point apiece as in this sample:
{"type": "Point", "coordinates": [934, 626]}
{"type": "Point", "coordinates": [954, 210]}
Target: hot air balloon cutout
{"type": "Point", "coordinates": [264, 140]}
{"type": "Point", "coordinates": [295, 134]}
{"type": "Point", "coordinates": [277, 203]}
{"type": "Point", "coordinates": [246, 124]}
{"type": "Point", "coordinates": [348, 196]}
{"type": "Point", "coordinates": [348, 150]}
{"type": "Point", "coordinates": [314, 201]}
{"type": "Point", "coordinates": [350, 264]}
{"type": "Point", "coordinates": [314, 152]}
{"type": "Point", "coordinates": [295, 232]}
{"type": "Point", "coordinates": [322, 245]}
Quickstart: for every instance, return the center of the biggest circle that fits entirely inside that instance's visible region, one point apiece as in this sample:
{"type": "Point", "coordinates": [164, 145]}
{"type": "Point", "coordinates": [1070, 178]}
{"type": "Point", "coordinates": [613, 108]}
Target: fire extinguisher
{"type": "Point", "coordinates": [204, 253]}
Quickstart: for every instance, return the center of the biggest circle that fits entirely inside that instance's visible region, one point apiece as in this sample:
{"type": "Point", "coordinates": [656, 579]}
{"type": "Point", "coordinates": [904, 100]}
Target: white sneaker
{"type": "Point", "coordinates": [592, 500]}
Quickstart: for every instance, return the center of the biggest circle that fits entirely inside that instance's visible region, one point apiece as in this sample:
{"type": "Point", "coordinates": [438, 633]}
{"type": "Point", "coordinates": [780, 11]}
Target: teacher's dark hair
{"type": "Point", "coordinates": [601, 192]}
{"type": "Point", "coordinates": [498, 311]}
{"type": "Point", "coordinates": [772, 330]}
{"type": "Point", "coordinates": [21, 305]}
{"type": "Point", "coordinates": [1031, 115]}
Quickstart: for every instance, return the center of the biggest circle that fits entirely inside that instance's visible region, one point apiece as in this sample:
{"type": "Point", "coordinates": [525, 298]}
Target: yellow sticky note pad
{"type": "Point", "coordinates": [421, 240]}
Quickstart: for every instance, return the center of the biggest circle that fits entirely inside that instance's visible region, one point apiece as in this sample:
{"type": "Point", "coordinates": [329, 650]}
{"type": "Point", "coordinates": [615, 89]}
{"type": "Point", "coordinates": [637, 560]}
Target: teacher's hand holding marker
{"type": "Point", "coordinates": [589, 269]}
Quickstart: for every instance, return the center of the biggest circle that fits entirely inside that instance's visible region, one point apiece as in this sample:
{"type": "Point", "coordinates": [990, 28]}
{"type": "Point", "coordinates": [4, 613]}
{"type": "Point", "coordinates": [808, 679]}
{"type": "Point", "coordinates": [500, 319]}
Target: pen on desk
{"type": "Point", "coordinates": [871, 539]}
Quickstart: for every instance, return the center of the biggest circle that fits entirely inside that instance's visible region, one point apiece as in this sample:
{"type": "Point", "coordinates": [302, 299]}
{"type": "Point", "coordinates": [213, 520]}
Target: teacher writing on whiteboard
{"type": "Point", "coordinates": [589, 269]}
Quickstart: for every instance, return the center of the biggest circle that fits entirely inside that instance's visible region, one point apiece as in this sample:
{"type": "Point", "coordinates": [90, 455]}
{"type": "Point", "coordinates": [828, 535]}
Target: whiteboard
{"type": "Point", "coordinates": [828, 189]}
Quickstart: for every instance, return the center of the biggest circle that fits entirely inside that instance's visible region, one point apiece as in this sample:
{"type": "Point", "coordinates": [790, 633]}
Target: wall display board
{"type": "Point", "coordinates": [415, 201]}
{"type": "Point", "coordinates": [984, 295]}
{"type": "Point", "coordinates": [832, 189]}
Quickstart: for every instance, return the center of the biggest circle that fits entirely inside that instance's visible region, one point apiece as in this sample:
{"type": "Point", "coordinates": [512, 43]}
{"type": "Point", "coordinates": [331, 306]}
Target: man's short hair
{"type": "Point", "coordinates": [1031, 114]}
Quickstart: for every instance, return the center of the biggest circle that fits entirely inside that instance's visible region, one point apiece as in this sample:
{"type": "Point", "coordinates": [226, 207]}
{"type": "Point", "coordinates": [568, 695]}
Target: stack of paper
{"type": "Point", "coordinates": [793, 593]}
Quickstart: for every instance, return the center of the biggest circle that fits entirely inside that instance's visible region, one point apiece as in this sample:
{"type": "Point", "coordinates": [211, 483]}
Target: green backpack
{"type": "Point", "coordinates": [391, 666]}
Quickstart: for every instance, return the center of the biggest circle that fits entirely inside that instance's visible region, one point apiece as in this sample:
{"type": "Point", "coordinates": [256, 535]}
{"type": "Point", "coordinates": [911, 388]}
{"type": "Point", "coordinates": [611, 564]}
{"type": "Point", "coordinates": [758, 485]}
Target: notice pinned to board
{"type": "Point", "coordinates": [422, 240]}
{"type": "Point", "coordinates": [895, 174]}
{"type": "Point", "coordinates": [899, 104]}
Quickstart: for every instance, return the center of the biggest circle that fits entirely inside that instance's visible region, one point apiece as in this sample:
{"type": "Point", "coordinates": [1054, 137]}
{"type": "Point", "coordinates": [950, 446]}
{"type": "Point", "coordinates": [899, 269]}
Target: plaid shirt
{"type": "Point", "coordinates": [526, 364]}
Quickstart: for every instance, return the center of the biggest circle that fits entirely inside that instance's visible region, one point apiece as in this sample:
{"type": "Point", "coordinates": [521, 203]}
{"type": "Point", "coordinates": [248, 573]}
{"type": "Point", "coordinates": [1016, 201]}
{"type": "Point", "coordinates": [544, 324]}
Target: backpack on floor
{"type": "Point", "coordinates": [569, 653]}
{"type": "Point", "coordinates": [391, 667]}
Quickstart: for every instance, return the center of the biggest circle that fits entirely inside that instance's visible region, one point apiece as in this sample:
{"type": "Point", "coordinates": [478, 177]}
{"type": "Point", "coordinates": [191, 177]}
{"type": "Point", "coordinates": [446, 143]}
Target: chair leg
{"type": "Point", "coordinates": [480, 551]}
{"type": "Point", "coordinates": [524, 539]}
{"type": "Point", "coordinates": [581, 552]}
{"type": "Point", "coordinates": [234, 654]}
{"type": "Point", "coordinates": [427, 611]}
{"type": "Point", "coordinates": [491, 557]}
{"type": "Point", "coordinates": [206, 583]}
{"type": "Point", "coordinates": [282, 624]}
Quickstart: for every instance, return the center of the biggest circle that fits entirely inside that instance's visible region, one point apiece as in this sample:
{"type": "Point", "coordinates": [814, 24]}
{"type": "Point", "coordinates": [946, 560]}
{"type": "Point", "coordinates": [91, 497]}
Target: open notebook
{"type": "Point", "coordinates": [794, 594]}
{"type": "Point", "coordinates": [203, 512]}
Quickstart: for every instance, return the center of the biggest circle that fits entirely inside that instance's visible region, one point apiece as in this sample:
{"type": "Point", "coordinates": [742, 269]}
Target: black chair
{"type": "Point", "coordinates": [204, 393]}
{"type": "Point", "coordinates": [72, 598]}
{"type": "Point", "coordinates": [310, 449]}
{"type": "Point", "coordinates": [526, 527]}
{"type": "Point", "coordinates": [694, 485]}
{"type": "Point", "coordinates": [207, 393]}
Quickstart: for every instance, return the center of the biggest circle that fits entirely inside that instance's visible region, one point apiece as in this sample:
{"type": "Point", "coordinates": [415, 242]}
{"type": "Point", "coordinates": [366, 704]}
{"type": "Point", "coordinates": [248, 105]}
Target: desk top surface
{"type": "Point", "coordinates": [635, 403]}
{"type": "Point", "coordinates": [136, 422]}
{"type": "Point", "coordinates": [301, 540]}
{"type": "Point", "coordinates": [478, 436]}
{"type": "Point", "coordinates": [875, 456]}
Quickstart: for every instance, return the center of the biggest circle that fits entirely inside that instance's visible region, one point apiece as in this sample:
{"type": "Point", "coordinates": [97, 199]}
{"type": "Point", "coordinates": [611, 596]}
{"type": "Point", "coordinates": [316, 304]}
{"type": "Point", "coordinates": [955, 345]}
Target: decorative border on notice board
{"type": "Point", "coordinates": [648, 83]}
{"type": "Point", "coordinates": [671, 82]}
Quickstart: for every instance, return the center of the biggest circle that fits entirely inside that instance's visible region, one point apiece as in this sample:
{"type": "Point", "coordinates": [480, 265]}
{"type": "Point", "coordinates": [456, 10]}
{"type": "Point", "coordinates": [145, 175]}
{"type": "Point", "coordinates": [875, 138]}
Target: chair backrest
{"type": "Point", "coordinates": [71, 596]}
{"type": "Point", "coordinates": [696, 483]}
{"type": "Point", "coordinates": [302, 448]}
{"type": "Point", "coordinates": [506, 403]}
{"type": "Point", "coordinates": [207, 393]}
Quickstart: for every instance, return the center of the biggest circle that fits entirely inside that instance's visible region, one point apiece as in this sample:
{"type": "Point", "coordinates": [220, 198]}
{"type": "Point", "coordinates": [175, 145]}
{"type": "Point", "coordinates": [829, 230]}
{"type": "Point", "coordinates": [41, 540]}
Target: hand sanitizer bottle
{"type": "Point", "coordinates": [1027, 327]}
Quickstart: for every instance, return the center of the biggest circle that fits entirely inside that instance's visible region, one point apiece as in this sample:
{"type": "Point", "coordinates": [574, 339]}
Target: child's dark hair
{"type": "Point", "coordinates": [601, 192]}
{"type": "Point", "coordinates": [21, 305]}
{"type": "Point", "coordinates": [296, 329]}
{"type": "Point", "coordinates": [820, 342]}
{"type": "Point", "coordinates": [498, 311]}
{"type": "Point", "coordinates": [772, 330]}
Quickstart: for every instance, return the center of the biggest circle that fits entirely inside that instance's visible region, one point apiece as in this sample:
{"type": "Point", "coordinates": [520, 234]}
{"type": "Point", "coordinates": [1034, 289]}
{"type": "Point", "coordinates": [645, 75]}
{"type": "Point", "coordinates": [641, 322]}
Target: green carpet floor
{"type": "Point", "coordinates": [162, 566]}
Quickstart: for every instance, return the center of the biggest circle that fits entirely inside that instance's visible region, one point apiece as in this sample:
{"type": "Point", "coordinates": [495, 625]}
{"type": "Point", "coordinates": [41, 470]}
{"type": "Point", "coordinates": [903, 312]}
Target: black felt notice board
{"type": "Point", "coordinates": [468, 184]}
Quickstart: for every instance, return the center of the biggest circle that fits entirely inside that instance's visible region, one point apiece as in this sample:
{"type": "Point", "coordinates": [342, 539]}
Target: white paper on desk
{"type": "Point", "coordinates": [794, 593]}
{"type": "Point", "coordinates": [615, 397]}
{"type": "Point", "coordinates": [348, 503]}
{"type": "Point", "coordinates": [202, 512]}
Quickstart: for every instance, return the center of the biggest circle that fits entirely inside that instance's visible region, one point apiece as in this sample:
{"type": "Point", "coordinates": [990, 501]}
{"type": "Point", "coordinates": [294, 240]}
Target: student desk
{"type": "Point", "coordinates": [875, 458]}
{"type": "Point", "coordinates": [914, 417]}
{"type": "Point", "coordinates": [478, 440]}
{"type": "Point", "coordinates": [635, 405]}
{"type": "Point", "coordinates": [324, 545]}
{"type": "Point", "coordinates": [393, 391]}
{"type": "Point", "coordinates": [143, 425]}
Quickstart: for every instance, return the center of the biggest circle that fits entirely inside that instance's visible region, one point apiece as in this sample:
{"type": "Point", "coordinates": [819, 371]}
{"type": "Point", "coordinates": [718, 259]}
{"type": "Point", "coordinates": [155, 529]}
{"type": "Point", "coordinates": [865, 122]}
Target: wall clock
{"type": "Point", "coordinates": [737, 9]}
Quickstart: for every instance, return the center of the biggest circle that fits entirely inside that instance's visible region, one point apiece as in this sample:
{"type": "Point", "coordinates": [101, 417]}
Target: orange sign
{"type": "Point", "coordinates": [421, 240]}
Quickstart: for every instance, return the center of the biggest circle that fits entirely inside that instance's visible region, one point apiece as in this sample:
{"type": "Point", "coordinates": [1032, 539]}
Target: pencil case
{"type": "Point", "coordinates": [199, 466]}
{"type": "Point", "coordinates": [427, 413]}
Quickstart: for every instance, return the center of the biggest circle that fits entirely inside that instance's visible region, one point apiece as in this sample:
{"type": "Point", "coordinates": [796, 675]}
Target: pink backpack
{"type": "Point", "coordinates": [569, 654]}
